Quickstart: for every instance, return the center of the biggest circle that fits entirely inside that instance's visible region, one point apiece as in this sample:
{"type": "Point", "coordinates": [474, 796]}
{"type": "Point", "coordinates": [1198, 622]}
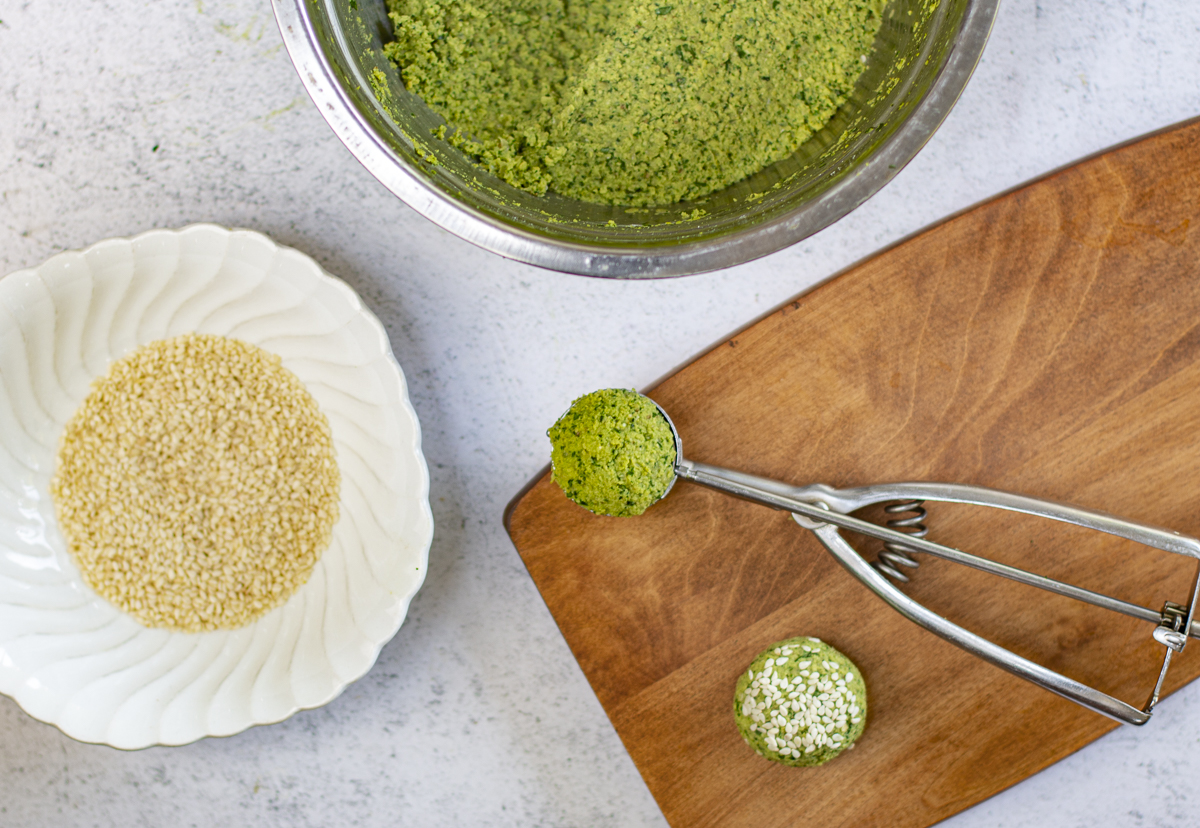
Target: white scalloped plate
{"type": "Point", "coordinates": [72, 659]}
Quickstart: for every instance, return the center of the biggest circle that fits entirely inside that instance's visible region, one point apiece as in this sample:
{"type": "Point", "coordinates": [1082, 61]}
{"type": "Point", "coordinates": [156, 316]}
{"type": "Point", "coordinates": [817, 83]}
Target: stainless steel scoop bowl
{"type": "Point", "coordinates": [825, 511]}
{"type": "Point", "coordinates": [921, 60]}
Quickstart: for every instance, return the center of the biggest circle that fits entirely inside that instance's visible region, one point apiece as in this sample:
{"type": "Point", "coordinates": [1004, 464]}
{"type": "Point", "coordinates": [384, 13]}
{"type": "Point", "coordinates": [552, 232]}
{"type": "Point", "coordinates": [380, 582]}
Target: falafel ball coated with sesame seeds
{"type": "Point", "coordinates": [800, 703]}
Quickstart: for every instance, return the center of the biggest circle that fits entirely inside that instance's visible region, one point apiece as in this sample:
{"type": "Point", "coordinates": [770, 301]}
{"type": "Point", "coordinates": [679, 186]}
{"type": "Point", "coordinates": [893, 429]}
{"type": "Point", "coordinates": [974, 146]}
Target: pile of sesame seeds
{"type": "Point", "coordinates": [801, 702]}
{"type": "Point", "coordinates": [196, 485]}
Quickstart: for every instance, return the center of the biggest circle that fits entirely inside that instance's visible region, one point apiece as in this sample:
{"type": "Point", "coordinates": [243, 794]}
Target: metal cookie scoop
{"type": "Point", "coordinates": [824, 511]}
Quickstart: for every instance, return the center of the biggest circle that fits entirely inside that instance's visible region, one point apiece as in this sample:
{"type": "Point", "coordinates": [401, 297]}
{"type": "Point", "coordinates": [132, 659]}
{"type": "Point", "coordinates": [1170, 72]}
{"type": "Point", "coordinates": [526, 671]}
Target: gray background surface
{"type": "Point", "coordinates": [116, 117]}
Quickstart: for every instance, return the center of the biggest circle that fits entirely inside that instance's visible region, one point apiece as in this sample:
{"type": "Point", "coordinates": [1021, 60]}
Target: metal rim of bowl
{"type": "Point", "coordinates": [490, 233]}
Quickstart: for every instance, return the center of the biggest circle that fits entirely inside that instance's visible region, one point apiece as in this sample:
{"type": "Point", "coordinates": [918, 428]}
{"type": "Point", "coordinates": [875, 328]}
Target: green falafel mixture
{"type": "Point", "coordinates": [613, 452]}
{"type": "Point", "coordinates": [631, 102]}
{"type": "Point", "coordinates": [801, 703]}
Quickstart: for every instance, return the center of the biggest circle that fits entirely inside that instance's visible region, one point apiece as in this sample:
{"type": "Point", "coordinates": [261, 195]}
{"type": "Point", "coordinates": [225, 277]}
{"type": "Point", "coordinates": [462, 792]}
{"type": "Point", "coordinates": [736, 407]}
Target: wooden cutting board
{"type": "Point", "coordinates": [1046, 342]}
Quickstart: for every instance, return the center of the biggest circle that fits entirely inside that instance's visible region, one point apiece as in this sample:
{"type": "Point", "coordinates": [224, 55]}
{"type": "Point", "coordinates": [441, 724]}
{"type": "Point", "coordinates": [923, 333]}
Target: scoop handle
{"type": "Point", "coordinates": [844, 501]}
{"type": "Point", "coordinates": [823, 510]}
{"type": "Point", "coordinates": [1055, 682]}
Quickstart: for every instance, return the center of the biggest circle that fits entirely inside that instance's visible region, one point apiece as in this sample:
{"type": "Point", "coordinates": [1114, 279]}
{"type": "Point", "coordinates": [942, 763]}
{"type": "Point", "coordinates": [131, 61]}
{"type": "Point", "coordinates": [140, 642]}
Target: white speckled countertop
{"type": "Point", "coordinates": [116, 117]}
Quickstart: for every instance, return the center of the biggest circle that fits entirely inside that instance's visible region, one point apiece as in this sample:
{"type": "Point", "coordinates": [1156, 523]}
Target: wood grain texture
{"type": "Point", "coordinates": [1045, 342]}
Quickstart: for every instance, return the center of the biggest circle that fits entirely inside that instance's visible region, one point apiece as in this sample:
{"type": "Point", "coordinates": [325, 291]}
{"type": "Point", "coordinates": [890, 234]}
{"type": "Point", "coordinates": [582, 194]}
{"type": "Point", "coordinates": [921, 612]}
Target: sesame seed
{"type": "Point", "coordinates": [196, 485]}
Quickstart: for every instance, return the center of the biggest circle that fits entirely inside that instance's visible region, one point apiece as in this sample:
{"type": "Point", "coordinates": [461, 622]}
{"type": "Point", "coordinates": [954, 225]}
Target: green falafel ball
{"type": "Point", "coordinates": [613, 452]}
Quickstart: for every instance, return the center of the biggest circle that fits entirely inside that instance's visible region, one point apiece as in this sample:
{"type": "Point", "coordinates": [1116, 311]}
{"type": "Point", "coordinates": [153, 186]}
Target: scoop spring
{"type": "Point", "coordinates": [895, 555]}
